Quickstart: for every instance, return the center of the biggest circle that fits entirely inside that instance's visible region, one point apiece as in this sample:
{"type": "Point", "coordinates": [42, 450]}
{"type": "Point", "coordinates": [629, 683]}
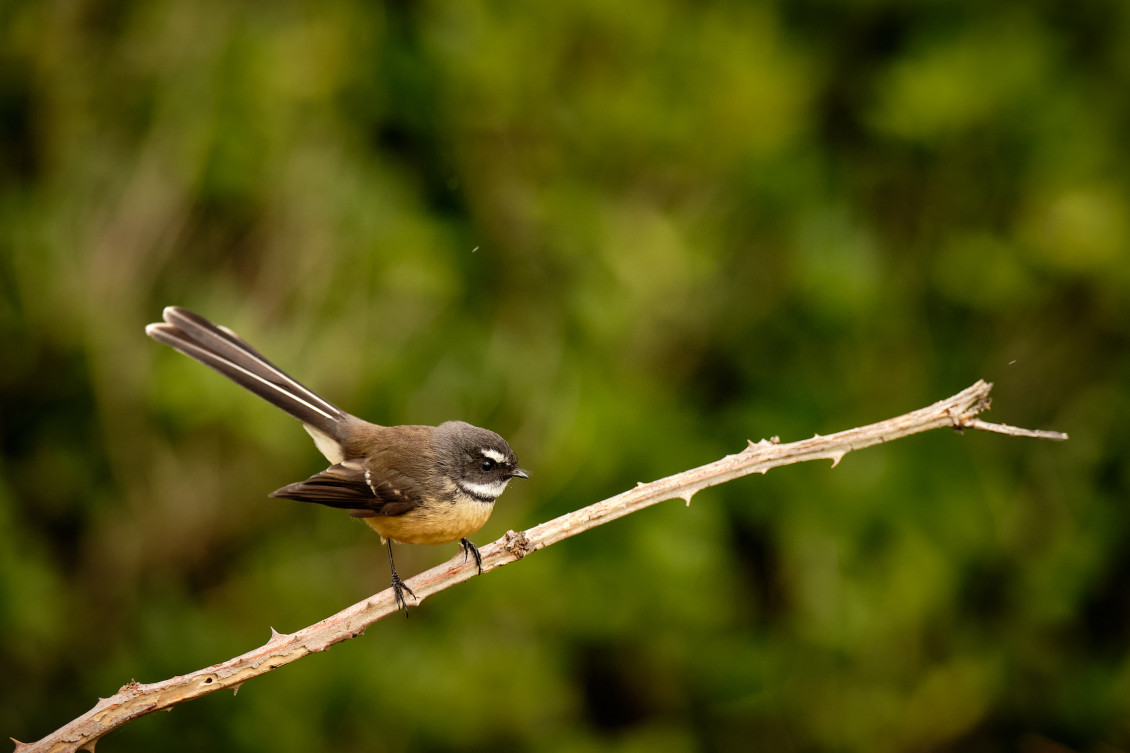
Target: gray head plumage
{"type": "Point", "coordinates": [479, 461]}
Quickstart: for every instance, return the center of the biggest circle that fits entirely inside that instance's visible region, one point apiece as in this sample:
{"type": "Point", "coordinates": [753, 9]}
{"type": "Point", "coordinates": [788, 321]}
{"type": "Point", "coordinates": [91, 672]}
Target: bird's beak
{"type": "Point", "coordinates": [520, 473]}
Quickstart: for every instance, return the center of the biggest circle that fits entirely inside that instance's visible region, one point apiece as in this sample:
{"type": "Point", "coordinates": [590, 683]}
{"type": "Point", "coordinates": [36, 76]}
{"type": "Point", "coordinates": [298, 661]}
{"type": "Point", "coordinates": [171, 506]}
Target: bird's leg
{"type": "Point", "coordinates": [398, 586]}
{"type": "Point", "coordinates": [469, 548]}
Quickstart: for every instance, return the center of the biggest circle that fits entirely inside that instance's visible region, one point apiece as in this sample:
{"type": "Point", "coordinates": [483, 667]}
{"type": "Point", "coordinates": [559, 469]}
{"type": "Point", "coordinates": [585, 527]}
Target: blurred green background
{"type": "Point", "coordinates": [629, 237]}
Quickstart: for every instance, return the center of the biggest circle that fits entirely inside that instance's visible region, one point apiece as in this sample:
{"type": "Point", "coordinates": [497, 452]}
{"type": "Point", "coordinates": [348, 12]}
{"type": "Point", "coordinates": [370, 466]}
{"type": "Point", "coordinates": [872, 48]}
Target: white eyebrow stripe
{"type": "Point", "coordinates": [493, 454]}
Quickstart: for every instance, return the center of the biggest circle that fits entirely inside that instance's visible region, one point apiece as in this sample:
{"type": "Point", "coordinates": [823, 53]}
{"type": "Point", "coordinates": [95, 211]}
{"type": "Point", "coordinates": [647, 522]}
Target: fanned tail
{"type": "Point", "coordinates": [223, 350]}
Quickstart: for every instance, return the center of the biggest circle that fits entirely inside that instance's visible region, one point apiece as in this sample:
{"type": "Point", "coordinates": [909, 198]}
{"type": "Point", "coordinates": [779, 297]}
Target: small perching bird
{"type": "Point", "coordinates": [411, 484]}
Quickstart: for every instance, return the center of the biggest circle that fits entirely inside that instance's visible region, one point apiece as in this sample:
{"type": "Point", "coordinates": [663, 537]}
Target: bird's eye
{"type": "Point", "coordinates": [487, 465]}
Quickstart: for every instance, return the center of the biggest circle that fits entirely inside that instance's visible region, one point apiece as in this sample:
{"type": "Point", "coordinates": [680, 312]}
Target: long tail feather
{"type": "Point", "coordinates": [221, 349]}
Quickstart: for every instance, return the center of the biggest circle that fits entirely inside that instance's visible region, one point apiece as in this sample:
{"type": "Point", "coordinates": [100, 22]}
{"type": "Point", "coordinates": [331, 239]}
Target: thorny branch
{"type": "Point", "coordinates": [137, 699]}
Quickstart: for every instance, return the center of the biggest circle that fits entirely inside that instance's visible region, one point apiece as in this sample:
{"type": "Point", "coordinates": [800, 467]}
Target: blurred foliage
{"type": "Point", "coordinates": [627, 236]}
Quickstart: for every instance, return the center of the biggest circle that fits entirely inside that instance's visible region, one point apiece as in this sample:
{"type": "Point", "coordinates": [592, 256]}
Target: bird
{"type": "Point", "coordinates": [411, 484]}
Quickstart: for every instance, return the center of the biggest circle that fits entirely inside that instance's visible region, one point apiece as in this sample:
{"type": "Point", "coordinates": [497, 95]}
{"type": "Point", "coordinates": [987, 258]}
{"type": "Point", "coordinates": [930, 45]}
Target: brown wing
{"type": "Point", "coordinates": [346, 487]}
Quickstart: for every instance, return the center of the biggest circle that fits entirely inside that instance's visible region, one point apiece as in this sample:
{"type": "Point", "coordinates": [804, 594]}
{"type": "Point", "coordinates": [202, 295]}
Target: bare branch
{"type": "Point", "coordinates": [136, 699]}
{"type": "Point", "coordinates": [1015, 431]}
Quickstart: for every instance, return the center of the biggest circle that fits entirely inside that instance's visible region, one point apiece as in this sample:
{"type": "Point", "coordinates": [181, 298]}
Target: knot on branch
{"type": "Point", "coordinates": [518, 544]}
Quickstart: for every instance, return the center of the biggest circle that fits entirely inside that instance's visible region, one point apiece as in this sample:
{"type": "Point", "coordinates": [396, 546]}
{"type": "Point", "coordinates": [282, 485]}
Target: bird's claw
{"type": "Point", "coordinates": [469, 549]}
{"type": "Point", "coordinates": [399, 587]}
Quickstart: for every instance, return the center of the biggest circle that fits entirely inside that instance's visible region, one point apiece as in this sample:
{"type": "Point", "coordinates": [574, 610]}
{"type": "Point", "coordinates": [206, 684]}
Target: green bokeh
{"type": "Point", "coordinates": [629, 237]}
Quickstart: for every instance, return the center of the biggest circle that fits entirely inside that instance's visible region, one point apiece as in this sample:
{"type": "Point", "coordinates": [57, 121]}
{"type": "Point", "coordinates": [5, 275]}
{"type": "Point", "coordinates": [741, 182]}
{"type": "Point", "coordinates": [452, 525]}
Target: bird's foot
{"type": "Point", "coordinates": [399, 587]}
{"type": "Point", "coordinates": [469, 549]}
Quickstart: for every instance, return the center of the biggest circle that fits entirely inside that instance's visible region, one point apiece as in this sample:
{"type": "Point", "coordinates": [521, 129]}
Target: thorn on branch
{"type": "Point", "coordinates": [277, 637]}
